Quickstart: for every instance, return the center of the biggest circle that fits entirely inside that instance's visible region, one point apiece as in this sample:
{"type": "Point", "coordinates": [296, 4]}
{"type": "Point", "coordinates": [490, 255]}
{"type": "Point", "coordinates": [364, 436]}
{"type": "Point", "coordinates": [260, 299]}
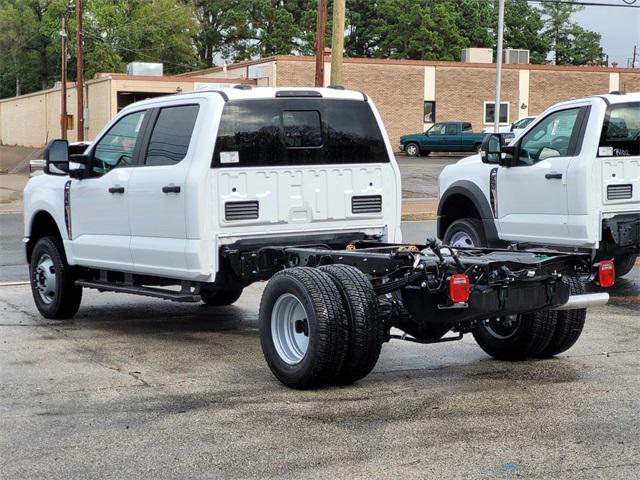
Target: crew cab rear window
{"type": "Point", "coordinates": [294, 131]}
{"type": "Point", "coordinates": [171, 135]}
{"type": "Point", "coordinates": [620, 135]}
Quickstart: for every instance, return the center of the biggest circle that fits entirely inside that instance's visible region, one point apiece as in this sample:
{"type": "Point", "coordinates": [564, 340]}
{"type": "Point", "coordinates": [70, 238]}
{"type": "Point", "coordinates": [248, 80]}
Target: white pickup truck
{"type": "Point", "coordinates": [570, 180]}
{"type": "Point", "coordinates": [193, 197]}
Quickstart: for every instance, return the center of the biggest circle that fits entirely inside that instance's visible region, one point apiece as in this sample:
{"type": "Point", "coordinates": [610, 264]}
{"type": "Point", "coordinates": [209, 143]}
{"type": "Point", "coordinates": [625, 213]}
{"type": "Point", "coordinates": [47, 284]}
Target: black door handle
{"type": "Point", "coordinates": [552, 175]}
{"type": "Point", "coordinates": [116, 189]}
{"type": "Point", "coordinates": [171, 189]}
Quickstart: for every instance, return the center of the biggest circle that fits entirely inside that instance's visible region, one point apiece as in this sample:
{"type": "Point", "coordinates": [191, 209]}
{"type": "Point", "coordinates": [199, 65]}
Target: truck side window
{"type": "Point", "coordinates": [549, 138]}
{"type": "Point", "coordinates": [171, 135]}
{"type": "Point", "coordinates": [452, 129]}
{"type": "Point", "coordinates": [115, 148]}
{"type": "Point", "coordinates": [438, 129]}
{"type": "Point", "coordinates": [621, 131]}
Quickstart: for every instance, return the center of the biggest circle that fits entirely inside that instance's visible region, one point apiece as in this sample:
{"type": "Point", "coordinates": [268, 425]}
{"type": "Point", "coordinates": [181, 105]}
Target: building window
{"type": "Point", "coordinates": [429, 111]}
{"type": "Point", "coordinates": [489, 112]}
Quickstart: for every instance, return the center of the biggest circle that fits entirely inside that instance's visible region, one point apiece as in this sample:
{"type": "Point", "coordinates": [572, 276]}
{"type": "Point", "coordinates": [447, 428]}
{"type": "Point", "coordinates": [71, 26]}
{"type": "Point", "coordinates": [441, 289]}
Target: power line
{"type": "Point", "coordinates": [137, 52]}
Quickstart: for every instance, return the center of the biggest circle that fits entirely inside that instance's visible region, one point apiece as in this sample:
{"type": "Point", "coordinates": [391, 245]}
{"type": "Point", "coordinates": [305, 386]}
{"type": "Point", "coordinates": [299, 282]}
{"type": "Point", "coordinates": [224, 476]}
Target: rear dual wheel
{"type": "Point", "coordinates": [541, 334]}
{"type": "Point", "coordinates": [320, 326]}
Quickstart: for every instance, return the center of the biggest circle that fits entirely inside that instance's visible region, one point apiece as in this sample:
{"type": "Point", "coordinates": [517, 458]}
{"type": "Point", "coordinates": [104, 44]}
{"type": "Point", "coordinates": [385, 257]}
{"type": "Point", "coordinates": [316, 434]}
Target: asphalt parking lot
{"type": "Point", "coordinates": [139, 388]}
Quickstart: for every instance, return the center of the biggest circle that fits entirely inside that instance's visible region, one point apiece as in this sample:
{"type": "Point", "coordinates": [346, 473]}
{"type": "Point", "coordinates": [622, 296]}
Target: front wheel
{"type": "Point", "coordinates": [465, 232]}
{"type": "Point", "coordinates": [412, 149]}
{"type": "Point", "coordinates": [52, 282]}
{"type": "Point", "coordinates": [478, 147]}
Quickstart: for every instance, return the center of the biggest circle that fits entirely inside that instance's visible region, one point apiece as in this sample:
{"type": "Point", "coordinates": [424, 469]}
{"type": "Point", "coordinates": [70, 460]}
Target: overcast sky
{"type": "Point", "coordinates": [619, 27]}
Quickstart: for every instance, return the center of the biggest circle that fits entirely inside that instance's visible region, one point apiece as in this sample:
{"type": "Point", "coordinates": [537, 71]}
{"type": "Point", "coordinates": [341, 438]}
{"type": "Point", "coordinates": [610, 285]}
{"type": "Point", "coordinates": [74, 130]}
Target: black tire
{"type": "Point", "coordinates": [61, 298]}
{"type": "Point", "coordinates": [477, 147]}
{"type": "Point", "coordinates": [412, 149]}
{"type": "Point", "coordinates": [327, 328]}
{"type": "Point", "coordinates": [624, 264]}
{"type": "Point", "coordinates": [366, 332]}
{"type": "Point", "coordinates": [218, 298]}
{"type": "Point", "coordinates": [530, 336]}
{"type": "Point", "coordinates": [569, 323]}
{"type": "Point", "coordinates": [473, 229]}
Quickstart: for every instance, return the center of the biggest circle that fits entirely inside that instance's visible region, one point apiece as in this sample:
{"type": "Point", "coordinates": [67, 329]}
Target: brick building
{"type": "Point", "coordinates": [410, 94]}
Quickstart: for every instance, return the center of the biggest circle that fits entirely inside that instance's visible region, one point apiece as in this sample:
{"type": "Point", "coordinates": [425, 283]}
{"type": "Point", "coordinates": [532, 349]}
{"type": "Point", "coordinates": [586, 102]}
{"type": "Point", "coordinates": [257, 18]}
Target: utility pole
{"type": "Point", "coordinates": [321, 26]}
{"type": "Point", "coordinates": [79, 73]}
{"type": "Point", "coordinates": [496, 109]}
{"type": "Point", "coordinates": [635, 55]}
{"type": "Point", "coordinates": [63, 80]}
{"type": "Point", "coordinates": [337, 42]}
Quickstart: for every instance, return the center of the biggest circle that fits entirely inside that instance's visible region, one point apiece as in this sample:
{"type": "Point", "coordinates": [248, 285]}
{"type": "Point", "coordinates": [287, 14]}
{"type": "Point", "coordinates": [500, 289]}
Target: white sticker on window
{"type": "Point", "coordinates": [605, 151]}
{"type": "Point", "coordinates": [229, 157]}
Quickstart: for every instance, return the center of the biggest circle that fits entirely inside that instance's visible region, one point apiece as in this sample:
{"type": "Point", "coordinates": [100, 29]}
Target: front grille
{"type": "Point", "coordinates": [241, 210]}
{"type": "Point", "coordinates": [366, 204]}
{"type": "Point", "coordinates": [619, 192]}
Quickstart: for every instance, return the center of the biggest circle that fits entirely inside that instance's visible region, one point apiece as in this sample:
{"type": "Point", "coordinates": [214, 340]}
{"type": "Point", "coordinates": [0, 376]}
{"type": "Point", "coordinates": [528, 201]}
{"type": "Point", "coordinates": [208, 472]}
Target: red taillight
{"type": "Point", "coordinates": [606, 273]}
{"type": "Point", "coordinates": [459, 288]}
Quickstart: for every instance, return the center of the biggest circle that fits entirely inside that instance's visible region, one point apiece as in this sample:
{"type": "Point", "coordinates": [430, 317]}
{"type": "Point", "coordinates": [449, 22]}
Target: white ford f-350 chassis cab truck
{"type": "Point", "coordinates": [193, 197]}
{"type": "Point", "coordinates": [570, 180]}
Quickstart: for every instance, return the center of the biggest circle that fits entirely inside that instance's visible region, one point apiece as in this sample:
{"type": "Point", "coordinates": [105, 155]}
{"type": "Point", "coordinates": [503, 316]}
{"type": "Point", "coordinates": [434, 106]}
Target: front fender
{"type": "Point", "coordinates": [45, 193]}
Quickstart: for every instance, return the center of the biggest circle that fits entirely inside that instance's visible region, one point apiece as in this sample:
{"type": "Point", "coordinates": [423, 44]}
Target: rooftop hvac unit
{"type": "Point", "coordinates": [477, 55]}
{"type": "Point", "coordinates": [512, 55]}
{"type": "Point", "coordinates": [144, 69]}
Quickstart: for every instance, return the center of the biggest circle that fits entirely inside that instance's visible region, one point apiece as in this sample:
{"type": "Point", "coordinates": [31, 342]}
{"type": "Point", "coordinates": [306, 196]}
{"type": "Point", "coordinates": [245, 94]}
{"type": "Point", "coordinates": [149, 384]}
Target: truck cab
{"type": "Point", "coordinates": [570, 180]}
{"type": "Point", "coordinates": [174, 183]}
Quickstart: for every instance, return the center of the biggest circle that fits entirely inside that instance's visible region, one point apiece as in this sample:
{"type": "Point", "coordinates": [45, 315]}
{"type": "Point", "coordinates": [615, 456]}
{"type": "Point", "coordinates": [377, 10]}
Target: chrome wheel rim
{"type": "Point", "coordinates": [461, 239]}
{"type": "Point", "coordinates": [412, 149]}
{"type": "Point", "coordinates": [44, 279]}
{"type": "Point", "coordinates": [290, 329]}
{"type": "Point", "coordinates": [502, 327]}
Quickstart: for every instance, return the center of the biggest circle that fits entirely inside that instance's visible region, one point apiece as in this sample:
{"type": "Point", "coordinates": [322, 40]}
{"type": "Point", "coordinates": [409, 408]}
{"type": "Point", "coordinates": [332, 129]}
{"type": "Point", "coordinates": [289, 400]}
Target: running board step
{"type": "Point", "coordinates": [181, 296]}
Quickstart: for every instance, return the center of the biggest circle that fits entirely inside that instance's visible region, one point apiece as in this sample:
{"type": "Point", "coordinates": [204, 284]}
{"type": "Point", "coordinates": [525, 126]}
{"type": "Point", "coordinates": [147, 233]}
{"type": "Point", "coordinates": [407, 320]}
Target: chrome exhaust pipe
{"type": "Point", "coordinates": [584, 301]}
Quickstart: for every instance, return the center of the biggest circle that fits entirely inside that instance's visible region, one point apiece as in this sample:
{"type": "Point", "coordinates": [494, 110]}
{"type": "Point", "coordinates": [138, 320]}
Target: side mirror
{"type": "Point", "coordinates": [56, 157]}
{"type": "Point", "coordinates": [494, 150]}
{"type": "Point", "coordinates": [79, 166]}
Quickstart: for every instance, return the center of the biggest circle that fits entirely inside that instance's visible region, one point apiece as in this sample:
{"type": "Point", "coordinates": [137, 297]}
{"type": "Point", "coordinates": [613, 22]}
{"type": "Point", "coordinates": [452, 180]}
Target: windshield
{"type": "Point", "coordinates": [620, 135]}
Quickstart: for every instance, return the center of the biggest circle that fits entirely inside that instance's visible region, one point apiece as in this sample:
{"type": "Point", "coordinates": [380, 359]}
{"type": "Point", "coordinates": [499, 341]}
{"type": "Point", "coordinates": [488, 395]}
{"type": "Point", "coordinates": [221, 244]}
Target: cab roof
{"type": "Point", "coordinates": [231, 93]}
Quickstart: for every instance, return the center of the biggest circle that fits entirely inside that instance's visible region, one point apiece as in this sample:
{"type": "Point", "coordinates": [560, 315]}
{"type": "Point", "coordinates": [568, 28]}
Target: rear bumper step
{"type": "Point", "coordinates": [585, 301]}
{"type": "Point", "coordinates": [181, 296]}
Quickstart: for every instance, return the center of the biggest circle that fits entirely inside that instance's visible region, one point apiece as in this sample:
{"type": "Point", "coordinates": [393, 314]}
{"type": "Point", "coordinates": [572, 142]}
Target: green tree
{"type": "Point", "coordinates": [412, 30]}
{"type": "Point", "coordinates": [243, 29]}
{"type": "Point", "coordinates": [475, 21]}
{"type": "Point", "coordinates": [522, 27]}
{"type": "Point", "coordinates": [570, 43]}
{"type": "Point", "coordinates": [115, 33]}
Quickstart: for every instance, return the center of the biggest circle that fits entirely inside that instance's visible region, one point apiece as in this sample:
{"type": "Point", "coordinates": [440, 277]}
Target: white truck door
{"type": "Point", "coordinates": [157, 193]}
{"type": "Point", "coordinates": [99, 211]}
{"type": "Point", "coordinates": [532, 203]}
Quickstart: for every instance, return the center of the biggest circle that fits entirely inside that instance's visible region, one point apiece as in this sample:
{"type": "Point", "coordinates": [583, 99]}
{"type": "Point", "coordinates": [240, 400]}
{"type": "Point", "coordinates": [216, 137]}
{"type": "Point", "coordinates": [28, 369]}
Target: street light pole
{"type": "Point", "coordinates": [496, 109]}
